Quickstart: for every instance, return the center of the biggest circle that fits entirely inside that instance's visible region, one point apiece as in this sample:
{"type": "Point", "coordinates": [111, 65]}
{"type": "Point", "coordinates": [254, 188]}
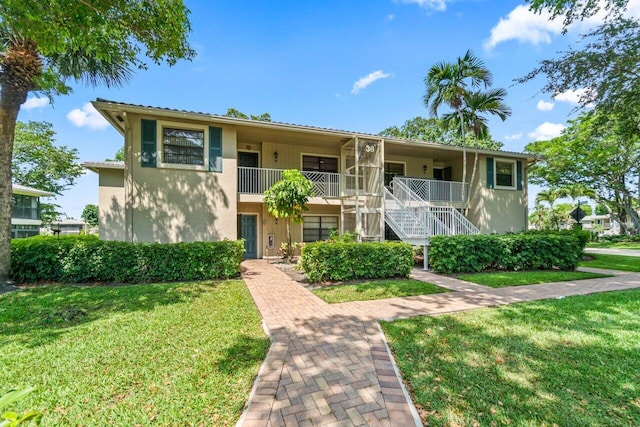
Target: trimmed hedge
{"type": "Point", "coordinates": [82, 259]}
{"type": "Point", "coordinates": [338, 261]}
{"type": "Point", "coordinates": [512, 252]}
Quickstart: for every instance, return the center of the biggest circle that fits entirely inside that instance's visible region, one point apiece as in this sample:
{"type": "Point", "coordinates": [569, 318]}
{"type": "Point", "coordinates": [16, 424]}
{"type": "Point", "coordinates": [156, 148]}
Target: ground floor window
{"type": "Point", "coordinates": [19, 231]}
{"type": "Point", "coordinates": [315, 228]}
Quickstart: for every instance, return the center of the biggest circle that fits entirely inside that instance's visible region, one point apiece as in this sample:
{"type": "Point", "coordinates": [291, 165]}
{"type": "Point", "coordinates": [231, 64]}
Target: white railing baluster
{"type": "Point", "coordinates": [258, 180]}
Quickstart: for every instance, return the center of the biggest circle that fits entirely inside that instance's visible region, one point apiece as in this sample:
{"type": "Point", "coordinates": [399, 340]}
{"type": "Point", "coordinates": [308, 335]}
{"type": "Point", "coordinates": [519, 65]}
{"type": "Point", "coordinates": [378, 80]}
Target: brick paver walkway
{"type": "Point", "coordinates": [329, 363]}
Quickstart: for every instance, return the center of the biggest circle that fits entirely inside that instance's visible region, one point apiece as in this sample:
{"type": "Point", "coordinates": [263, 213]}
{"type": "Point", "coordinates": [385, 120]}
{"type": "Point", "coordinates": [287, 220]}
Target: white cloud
{"type": "Point", "coordinates": [528, 27]}
{"type": "Point", "coordinates": [365, 81]}
{"type": "Point", "coordinates": [439, 5]}
{"type": "Point", "coordinates": [545, 106]}
{"type": "Point", "coordinates": [525, 26]}
{"type": "Point", "coordinates": [390, 17]}
{"type": "Point", "coordinates": [513, 137]}
{"type": "Point", "coordinates": [546, 131]}
{"type": "Point", "coordinates": [34, 102]}
{"type": "Point", "coordinates": [87, 116]}
{"type": "Point", "coordinates": [571, 96]}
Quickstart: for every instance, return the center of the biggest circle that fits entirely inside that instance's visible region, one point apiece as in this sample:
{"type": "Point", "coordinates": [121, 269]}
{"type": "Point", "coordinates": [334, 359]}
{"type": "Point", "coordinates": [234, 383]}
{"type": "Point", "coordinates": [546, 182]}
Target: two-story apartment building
{"type": "Point", "coordinates": [25, 216]}
{"type": "Point", "coordinates": [195, 176]}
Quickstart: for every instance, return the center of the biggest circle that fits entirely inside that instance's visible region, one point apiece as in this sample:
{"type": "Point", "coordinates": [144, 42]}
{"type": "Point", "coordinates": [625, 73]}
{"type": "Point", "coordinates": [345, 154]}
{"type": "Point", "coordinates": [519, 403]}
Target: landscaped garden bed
{"type": "Point", "coordinates": [568, 362]}
{"type": "Point", "coordinates": [152, 354]}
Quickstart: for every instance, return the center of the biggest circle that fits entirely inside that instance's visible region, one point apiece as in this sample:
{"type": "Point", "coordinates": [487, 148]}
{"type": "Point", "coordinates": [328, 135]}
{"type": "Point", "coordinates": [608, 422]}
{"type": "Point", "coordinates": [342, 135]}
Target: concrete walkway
{"type": "Point", "coordinates": [329, 364]}
{"type": "Point", "coordinates": [613, 251]}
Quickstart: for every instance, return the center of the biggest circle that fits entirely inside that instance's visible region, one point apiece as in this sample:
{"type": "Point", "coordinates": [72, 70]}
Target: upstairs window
{"type": "Point", "coordinates": [319, 164]}
{"type": "Point", "coordinates": [182, 146]}
{"type": "Point", "coordinates": [505, 174]}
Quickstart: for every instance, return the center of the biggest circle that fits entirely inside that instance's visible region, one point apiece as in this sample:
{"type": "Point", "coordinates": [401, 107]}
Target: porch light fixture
{"type": "Point", "coordinates": [275, 156]}
{"type": "Point", "coordinates": [424, 168]}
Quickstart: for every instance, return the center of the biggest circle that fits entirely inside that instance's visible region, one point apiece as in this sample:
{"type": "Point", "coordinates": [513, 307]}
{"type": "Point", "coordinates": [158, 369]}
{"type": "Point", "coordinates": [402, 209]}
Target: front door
{"type": "Point", "coordinates": [248, 230]}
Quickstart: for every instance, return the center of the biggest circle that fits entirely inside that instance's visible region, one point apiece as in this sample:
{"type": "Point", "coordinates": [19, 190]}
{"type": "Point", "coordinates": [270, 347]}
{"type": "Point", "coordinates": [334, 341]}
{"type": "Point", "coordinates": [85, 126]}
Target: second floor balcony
{"type": "Point", "coordinates": [328, 185]}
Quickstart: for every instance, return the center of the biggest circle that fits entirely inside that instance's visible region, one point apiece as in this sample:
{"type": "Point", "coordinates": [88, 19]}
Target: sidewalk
{"type": "Point", "coordinates": [329, 363]}
{"type": "Point", "coordinates": [614, 251]}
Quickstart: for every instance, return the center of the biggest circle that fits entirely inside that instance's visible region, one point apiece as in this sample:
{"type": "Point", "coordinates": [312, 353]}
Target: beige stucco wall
{"type": "Point", "coordinates": [493, 210]}
{"type": "Point", "coordinates": [176, 203]}
{"type": "Point", "coordinates": [111, 204]}
{"type": "Point", "coordinates": [290, 155]}
{"type": "Point", "coordinates": [414, 166]}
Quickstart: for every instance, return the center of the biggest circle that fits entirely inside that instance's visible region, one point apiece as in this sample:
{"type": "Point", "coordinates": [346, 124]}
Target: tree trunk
{"type": "Point", "coordinates": [289, 249]}
{"type": "Point", "coordinates": [20, 63]}
{"type": "Point", "coordinates": [464, 162]}
{"type": "Point", "coordinates": [10, 102]}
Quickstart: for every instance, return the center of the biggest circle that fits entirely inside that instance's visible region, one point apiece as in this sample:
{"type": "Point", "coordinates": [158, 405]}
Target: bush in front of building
{"type": "Point", "coordinates": [340, 261]}
{"type": "Point", "coordinates": [82, 259]}
{"type": "Point", "coordinates": [511, 252]}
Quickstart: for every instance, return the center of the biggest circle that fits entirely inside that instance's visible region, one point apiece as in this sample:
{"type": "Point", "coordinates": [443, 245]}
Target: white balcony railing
{"type": "Point", "coordinates": [431, 190]}
{"type": "Point", "coordinates": [258, 180]}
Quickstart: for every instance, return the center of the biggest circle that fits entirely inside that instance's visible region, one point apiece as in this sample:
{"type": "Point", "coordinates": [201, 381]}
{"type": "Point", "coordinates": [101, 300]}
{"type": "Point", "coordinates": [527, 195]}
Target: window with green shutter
{"type": "Point", "coordinates": [215, 149]}
{"type": "Point", "coordinates": [148, 142]}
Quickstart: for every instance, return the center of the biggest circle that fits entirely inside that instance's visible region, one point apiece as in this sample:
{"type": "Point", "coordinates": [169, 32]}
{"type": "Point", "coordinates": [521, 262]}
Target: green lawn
{"type": "Point", "coordinates": [613, 262]}
{"type": "Point", "coordinates": [378, 289]}
{"type": "Point", "coordinates": [157, 354]}
{"type": "Point", "coordinates": [520, 278]}
{"type": "Point", "coordinates": [568, 362]}
{"type": "Point", "coordinates": [615, 245]}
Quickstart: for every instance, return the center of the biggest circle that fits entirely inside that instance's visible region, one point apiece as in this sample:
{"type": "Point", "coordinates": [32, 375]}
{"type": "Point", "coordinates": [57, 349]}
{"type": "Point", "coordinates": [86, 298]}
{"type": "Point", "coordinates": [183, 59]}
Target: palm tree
{"type": "Point", "coordinates": [475, 104]}
{"type": "Point", "coordinates": [550, 196]}
{"type": "Point", "coordinates": [447, 84]}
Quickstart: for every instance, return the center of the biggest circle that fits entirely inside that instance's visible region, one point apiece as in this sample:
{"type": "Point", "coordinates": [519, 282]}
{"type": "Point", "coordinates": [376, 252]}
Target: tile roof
{"type": "Point", "coordinates": [317, 128]}
{"type": "Point", "coordinates": [17, 188]}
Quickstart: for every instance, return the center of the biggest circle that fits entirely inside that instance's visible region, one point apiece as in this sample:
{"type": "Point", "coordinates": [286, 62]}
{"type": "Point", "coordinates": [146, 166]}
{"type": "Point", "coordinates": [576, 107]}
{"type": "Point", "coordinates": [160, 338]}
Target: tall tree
{"type": "Point", "coordinates": [39, 163]}
{"type": "Point", "coordinates": [447, 83]}
{"type": "Point", "coordinates": [118, 157]}
{"type": "Point", "coordinates": [598, 152]}
{"type": "Point", "coordinates": [90, 215]}
{"type": "Point", "coordinates": [287, 199]}
{"type": "Point", "coordinates": [232, 112]}
{"type": "Point", "coordinates": [435, 130]}
{"type": "Point", "coordinates": [472, 117]}
{"type": "Point", "coordinates": [43, 44]}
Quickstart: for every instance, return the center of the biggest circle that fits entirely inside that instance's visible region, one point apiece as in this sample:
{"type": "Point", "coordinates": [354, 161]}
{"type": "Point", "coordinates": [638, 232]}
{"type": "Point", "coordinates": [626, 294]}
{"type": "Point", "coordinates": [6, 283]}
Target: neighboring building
{"type": "Point", "coordinates": [25, 217]}
{"type": "Point", "coordinates": [194, 176]}
{"type": "Point", "coordinates": [68, 226]}
{"type": "Point", "coordinates": [602, 224]}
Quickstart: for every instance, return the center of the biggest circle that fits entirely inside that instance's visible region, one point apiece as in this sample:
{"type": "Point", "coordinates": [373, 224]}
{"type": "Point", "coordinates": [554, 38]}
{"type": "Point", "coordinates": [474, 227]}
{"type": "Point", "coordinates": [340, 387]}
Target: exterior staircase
{"type": "Point", "coordinates": [415, 220]}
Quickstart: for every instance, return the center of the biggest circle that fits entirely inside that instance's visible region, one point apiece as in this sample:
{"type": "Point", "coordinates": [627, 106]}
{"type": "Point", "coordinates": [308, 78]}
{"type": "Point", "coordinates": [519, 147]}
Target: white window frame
{"type": "Point", "coordinates": [337, 217]}
{"type": "Point", "coordinates": [161, 124]}
{"type": "Point", "coordinates": [514, 168]}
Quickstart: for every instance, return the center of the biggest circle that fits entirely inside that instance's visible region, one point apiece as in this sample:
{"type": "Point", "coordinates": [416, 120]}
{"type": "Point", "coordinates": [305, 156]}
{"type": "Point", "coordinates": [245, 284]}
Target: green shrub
{"type": "Point", "coordinates": [338, 261]}
{"type": "Point", "coordinates": [513, 252]}
{"type": "Point", "coordinates": [81, 259]}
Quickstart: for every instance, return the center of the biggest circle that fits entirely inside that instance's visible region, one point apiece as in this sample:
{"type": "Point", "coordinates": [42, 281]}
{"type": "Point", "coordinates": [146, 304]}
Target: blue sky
{"type": "Point", "coordinates": [353, 65]}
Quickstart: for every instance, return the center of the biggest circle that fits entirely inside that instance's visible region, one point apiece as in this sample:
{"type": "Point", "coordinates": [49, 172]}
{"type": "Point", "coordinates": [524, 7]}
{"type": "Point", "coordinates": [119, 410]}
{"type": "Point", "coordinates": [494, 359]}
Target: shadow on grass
{"type": "Point", "coordinates": [570, 362]}
{"type": "Point", "coordinates": [244, 353]}
{"type": "Point", "coordinates": [38, 315]}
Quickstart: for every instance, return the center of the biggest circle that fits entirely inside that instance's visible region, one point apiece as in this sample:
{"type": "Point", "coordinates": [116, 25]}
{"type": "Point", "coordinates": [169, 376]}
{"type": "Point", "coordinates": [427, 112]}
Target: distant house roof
{"type": "Point", "coordinates": [28, 191]}
{"type": "Point", "coordinates": [112, 111]}
{"type": "Point", "coordinates": [95, 166]}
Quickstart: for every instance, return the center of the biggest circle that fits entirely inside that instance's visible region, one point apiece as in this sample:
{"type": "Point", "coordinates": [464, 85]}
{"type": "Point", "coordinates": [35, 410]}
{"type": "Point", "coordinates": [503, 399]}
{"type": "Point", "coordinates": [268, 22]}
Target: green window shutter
{"type": "Point", "coordinates": [215, 149]}
{"type": "Point", "coordinates": [490, 174]}
{"type": "Point", "coordinates": [149, 144]}
{"type": "Point", "coordinates": [519, 174]}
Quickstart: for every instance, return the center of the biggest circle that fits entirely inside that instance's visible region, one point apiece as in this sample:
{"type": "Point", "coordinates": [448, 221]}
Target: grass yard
{"type": "Point", "coordinates": [615, 245]}
{"type": "Point", "coordinates": [568, 362]}
{"type": "Point", "coordinates": [157, 354]}
{"type": "Point", "coordinates": [613, 262]}
{"type": "Point", "coordinates": [520, 278]}
{"type": "Point", "coordinates": [376, 289]}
